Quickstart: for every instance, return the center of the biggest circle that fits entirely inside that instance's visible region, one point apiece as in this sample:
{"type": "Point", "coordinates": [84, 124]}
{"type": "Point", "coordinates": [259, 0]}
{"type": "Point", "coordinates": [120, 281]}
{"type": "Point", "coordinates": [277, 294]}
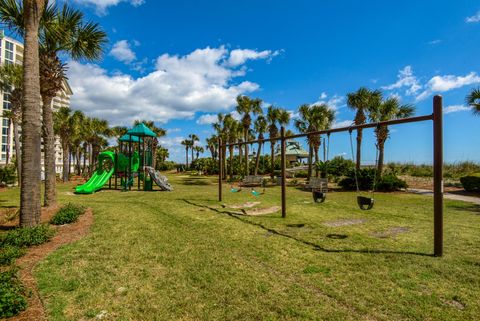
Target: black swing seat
{"type": "Point", "coordinates": [319, 196]}
{"type": "Point", "coordinates": [365, 203]}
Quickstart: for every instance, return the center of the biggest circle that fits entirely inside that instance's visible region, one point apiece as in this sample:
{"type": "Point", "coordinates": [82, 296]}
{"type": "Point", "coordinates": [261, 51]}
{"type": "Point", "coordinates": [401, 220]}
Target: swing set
{"type": "Point", "coordinates": [363, 202]}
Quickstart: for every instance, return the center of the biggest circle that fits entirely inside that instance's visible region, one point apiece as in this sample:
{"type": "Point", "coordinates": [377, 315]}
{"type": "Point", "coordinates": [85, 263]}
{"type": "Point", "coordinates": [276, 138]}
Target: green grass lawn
{"type": "Point", "coordinates": [179, 256]}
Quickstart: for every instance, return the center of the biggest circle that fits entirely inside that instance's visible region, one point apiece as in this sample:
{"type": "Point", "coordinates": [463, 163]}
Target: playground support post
{"type": "Point", "coordinates": [438, 175]}
{"type": "Point", "coordinates": [284, 179]}
{"type": "Point", "coordinates": [220, 169]}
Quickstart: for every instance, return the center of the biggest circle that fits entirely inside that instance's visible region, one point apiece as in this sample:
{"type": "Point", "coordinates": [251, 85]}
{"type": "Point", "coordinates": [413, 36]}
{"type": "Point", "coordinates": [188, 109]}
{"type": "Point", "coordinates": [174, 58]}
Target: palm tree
{"type": "Point", "coordinates": [260, 126]}
{"type": "Point", "coordinates": [232, 128]}
{"type": "Point", "coordinates": [198, 151]}
{"type": "Point", "coordinates": [245, 107]}
{"type": "Point", "coordinates": [305, 124]}
{"type": "Point", "coordinates": [118, 131]}
{"type": "Point", "coordinates": [98, 131]}
{"type": "Point", "coordinates": [323, 118]}
{"type": "Point", "coordinates": [360, 101]}
{"type": "Point", "coordinates": [77, 137]}
{"type": "Point", "coordinates": [275, 116]}
{"type": "Point", "coordinates": [221, 130]}
{"type": "Point", "coordinates": [11, 80]}
{"type": "Point", "coordinates": [63, 31]}
{"type": "Point", "coordinates": [186, 143]}
{"type": "Point", "coordinates": [160, 132]}
{"type": "Point", "coordinates": [31, 124]}
{"type": "Point", "coordinates": [473, 100]}
{"type": "Point", "coordinates": [387, 110]}
{"type": "Point", "coordinates": [63, 126]}
{"type": "Point", "coordinates": [193, 139]}
{"type": "Point", "coordinates": [162, 154]}
{"type": "Point", "coordinates": [212, 142]}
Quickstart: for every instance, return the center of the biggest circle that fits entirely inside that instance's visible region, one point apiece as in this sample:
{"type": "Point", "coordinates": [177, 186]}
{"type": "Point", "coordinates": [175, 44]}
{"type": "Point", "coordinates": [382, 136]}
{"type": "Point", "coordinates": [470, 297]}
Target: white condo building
{"type": "Point", "coordinates": [11, 52]}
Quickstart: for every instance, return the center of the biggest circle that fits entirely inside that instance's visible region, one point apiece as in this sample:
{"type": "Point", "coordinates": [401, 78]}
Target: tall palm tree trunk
{"type": "Point", "coordinates": [247, 171]}
{"type": "Point", "coordinates": [9, 127]}
{"type": "Point", "coordinates": [240, 159]}
{"type": "Point", "coordinates": [257, 160]}
{"type": "Point", "coordinates": [77, 159]}
{"type": "Point", "coordinates": [50, 197]}
{"type": "Point", "coordinates": [31, 123]}
{"type": "Point", "coordinates": [310, 160]}
{"type": "Point", "coordinates": [224, 160]}
{"type": "Point", "coordinates": [230, 168]}
{"type": "Point", "coordinates": [316, 160]}
{"type": "Point", "coordinates": [272, 159]}
{"type": "Point", "coordinates": [65, 160]}
{"type": "Point", "coordinates": [186, 158]}
{"type": "Point", "coordinates": [382, 135]}
{"type": "Point", "coordinates": [359, 148]}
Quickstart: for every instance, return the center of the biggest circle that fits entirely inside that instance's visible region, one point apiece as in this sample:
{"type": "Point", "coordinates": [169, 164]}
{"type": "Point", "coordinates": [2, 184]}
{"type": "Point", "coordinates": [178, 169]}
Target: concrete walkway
{"type": "Point", "coordinates": [450, 196]}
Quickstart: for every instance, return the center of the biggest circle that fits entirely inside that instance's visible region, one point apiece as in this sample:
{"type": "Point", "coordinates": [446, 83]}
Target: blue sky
{"type": "Point", "coordinates": [181, 62]}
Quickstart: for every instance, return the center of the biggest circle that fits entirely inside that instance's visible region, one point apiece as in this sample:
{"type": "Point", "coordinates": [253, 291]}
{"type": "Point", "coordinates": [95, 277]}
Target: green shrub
{"type": "Point", "coordinates": [9, 253]}
{"type": "Point", "coordinates": [8, 174]}
{"type": "Point", "coordinates": [387, 183]}
{"type": "Point", "coordinates": [12, 294]}
{"type": "Point", "coordinates": [67, 214]}
{"type": "Point", "coordinates": [336, 167]}
{"type": "Point", "coordinates": [365, 179]}
{"type": "Point", "coordinates": [390, 182]}
{"type": "Point", "coordinates": [471, 182]}
{"type": "Point", "coordinates": [27, 236]}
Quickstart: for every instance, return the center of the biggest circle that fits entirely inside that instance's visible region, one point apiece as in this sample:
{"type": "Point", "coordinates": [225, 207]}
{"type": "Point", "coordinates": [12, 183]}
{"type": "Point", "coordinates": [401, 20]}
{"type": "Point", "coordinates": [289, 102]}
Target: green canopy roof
{"type": "Point", "coordinates": [141, 131]}
{"type": "Point", "coordinates": [127, 138]}
{"type": "Point", "coordinates": [293, 148]}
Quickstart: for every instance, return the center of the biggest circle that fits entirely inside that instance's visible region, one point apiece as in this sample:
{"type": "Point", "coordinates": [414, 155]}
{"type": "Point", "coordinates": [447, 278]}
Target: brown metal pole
{"type": "Point", "coordinates": [220, 169]}
{"type": "Point", "coordinates": [438, 175]}
{"type": "Point", "coordinates": [284, 179]}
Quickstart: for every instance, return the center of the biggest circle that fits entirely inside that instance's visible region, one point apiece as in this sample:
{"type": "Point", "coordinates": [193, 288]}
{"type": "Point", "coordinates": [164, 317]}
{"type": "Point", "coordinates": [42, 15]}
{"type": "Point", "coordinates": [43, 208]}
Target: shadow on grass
{"type": "Point", "coordinates": [195, 181]}
{"type": "Point", "coordinates": [315, 246]}
{"type": "Point", "coordinates": [475, 208]}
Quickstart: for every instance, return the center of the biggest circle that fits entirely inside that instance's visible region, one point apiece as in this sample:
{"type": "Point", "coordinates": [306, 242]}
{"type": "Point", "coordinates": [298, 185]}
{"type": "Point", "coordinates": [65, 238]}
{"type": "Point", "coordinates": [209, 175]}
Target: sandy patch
{"type": "Point", "coordinates": [345, 222]}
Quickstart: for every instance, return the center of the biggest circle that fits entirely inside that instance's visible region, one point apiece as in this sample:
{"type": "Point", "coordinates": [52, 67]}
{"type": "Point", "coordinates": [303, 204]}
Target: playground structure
{"type": "Point", "coordinates": [134, 160]}
{"type": "Point", "coordinates": [363, 202]}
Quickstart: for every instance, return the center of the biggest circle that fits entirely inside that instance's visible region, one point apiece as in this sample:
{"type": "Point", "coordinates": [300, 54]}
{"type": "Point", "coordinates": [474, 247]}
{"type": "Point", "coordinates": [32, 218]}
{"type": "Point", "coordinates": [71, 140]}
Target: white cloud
{"type": "Point", "coordinates": [455, 108]}
{"type": "Point", "coordinates": [435, 42]}
{"type": "Point", "coordinates": [236, 115]}
{"type": "Point", "coordinates": [122, 52]}
{"type": "Point", "coordinates": [448, 82]}
{"type": "Point", "coordinates": [101, 6]}
{"type": "Point", "coordinates": [473, 19]}
{"type": "Point", "coordinates": [173, 130]}
{"type": "Point", "coordinates": [334, 102]}
{"type": "Point", "coordinates": [240, 56]}
{"type": "Point", "coordinates": [207, 119]}
{"type": "Point", "coordinates": [293, 114]}
{"type": "Point", "coordinates": [343, 123]}
{"type": "Point", "coordinates": [179, 87]}
{"type": "Point", "coordinates": [407, 79]}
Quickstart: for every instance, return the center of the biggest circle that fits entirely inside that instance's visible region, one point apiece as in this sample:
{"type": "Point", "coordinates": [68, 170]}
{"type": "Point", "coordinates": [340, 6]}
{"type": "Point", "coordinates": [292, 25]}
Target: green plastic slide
{"type": "Point", "coordinates": [101, 175]}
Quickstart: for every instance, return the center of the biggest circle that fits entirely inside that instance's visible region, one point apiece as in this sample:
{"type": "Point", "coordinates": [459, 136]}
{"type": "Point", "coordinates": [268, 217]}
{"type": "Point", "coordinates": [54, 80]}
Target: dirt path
{"type": "Point", "coordinates": [65, 234]}
{"type": "Point", "coordinates": [447, 195]}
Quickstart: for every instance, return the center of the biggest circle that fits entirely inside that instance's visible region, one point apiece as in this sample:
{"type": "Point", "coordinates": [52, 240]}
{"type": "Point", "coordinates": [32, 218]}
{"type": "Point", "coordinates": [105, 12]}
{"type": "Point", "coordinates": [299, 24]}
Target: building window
{"type": "Point", "coordinates": [8, 52]}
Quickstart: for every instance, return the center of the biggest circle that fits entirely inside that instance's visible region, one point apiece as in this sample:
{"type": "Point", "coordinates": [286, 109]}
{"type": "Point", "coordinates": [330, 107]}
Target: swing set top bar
{"type": "Point", "coordinates": [341, 129]}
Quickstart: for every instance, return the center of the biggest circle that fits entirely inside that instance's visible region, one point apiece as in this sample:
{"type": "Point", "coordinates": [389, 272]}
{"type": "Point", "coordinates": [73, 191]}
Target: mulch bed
{"type": "Point", "coordinates": [65, 234]}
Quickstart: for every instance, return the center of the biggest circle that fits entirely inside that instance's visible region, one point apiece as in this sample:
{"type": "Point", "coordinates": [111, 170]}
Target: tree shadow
{"type": "Point", "coordinates": [313, 245]}
{"type": "Point", "coordinates": [195, 181]}
{"type": "Point", "coordinates": [474, 208]}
